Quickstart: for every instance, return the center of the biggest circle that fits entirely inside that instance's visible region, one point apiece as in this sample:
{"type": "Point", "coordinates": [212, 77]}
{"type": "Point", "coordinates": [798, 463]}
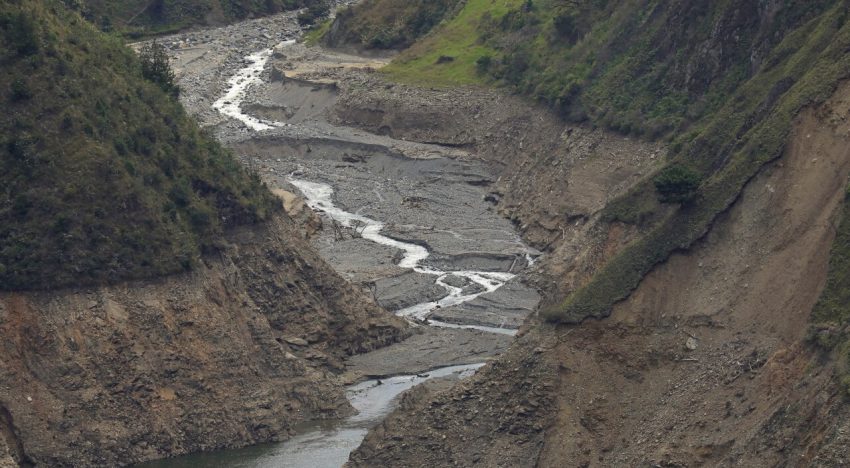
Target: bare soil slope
{"type": "Point", "coordinates": [234, 353]}
{"type": "Point", "coordinates": [705, 363]}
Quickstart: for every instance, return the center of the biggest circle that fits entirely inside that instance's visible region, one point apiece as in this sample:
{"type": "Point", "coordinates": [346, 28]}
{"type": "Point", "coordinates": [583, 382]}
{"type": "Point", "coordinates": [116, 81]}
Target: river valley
{"type": "Point", "coordinates": [411, 223]}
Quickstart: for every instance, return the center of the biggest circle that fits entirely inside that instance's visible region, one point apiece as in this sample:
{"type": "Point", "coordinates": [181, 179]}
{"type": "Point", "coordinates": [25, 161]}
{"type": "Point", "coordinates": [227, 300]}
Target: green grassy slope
{"type": "Point", "coordinates": [449, 56]}
{"type": "Point", "coordinates": [103, 176]}
{"type": "Point", "coordinates": [639, 66]}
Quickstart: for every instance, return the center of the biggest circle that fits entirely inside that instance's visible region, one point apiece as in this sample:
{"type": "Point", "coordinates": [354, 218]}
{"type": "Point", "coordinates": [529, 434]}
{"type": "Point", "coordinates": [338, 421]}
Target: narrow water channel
{"type": "Point", "coordinates": [320, 197]}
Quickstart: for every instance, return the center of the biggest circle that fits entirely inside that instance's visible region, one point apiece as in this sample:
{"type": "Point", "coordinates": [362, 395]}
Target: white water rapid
{"type": "Point", "coordinates": [231, 103]}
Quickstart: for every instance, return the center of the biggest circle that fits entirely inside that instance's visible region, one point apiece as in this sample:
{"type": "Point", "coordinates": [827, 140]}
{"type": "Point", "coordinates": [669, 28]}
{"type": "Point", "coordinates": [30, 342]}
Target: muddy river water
{"type": "Point", "coordinates": [417, 230]}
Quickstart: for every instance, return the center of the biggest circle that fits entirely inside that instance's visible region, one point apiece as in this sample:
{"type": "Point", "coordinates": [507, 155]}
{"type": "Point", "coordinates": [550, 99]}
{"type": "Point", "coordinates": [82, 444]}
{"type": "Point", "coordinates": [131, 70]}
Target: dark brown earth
{"type": "Point", "coordinates": [234, 353]}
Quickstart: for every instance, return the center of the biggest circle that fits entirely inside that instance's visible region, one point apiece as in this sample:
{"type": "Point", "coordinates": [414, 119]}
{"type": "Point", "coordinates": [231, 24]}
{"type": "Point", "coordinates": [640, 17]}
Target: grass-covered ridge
{"type": "Point", "coordinates": [103, 176]}
{"type": "Point", "coordinates": [638, 66]}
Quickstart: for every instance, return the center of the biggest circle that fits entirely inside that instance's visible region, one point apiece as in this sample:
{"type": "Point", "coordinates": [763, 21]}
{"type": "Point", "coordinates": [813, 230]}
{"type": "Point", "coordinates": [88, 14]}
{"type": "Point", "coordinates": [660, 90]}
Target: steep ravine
{"type": "Point", "coordinates": [409, 184]}
{"type": "Point", "coordinates": [408, 222]}
{"type": "Point", "coordinates": [681, 374]}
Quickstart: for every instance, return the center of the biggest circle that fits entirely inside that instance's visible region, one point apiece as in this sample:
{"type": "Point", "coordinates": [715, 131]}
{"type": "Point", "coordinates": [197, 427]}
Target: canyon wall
{"type": "Point", "coordinates": [234, 353]}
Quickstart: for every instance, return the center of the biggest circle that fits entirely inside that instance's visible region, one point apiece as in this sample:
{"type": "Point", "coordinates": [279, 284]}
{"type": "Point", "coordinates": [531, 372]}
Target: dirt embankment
{"type": "Point", "coordinates": [233, 353]}
{"type": "Point", "coordinates": [706, 362]}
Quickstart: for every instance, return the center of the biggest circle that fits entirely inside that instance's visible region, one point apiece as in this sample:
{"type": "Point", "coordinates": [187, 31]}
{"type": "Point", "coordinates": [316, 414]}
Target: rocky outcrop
{"type": "Point", "coordinates": [498, 418]}
{"type": "Point", "coordinates": [235, 352]}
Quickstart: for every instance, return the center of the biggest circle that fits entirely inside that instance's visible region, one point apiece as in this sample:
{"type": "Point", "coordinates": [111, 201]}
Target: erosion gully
{"type": "Point", "coordinates": [408, 220]}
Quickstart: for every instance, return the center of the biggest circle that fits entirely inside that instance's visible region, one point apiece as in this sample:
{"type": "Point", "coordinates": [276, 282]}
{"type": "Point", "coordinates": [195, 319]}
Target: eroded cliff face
{"type": "Point", "coordinates": [233, 353]}
{"type": "Point", "coordinates": [706, 363]}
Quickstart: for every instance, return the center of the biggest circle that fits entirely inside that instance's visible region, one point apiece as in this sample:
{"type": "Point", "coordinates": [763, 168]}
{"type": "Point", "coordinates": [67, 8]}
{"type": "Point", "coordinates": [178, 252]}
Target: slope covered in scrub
{"type": "Point", "coordinates": [103, 176]}
{"type": "Point", "coordinates": [141, 17]}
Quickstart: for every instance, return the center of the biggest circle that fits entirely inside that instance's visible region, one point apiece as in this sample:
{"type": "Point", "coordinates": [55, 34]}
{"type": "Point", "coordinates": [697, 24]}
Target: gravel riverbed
{"type": "Point", "coordinates": [422, 195]}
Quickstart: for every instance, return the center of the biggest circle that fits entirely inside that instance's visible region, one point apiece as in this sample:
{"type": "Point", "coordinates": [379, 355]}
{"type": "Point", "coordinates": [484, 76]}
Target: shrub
{"type": "Point", "coordinates": [156, 68]}
{"type": "Point", "coordinates": [20, 33]}
{"type": "Point", "coordinates": [482, 64]}
{"type": "Point", "coordinates": [314, 12]}
{"type": "Point", "coordinates": [200, 218]}
{"type": "Point", "coordinates": [565, 26]}
{"type": "Point", "coordinates": [677, 184]}
{"type": "Point", "coordinates": [20, 90]}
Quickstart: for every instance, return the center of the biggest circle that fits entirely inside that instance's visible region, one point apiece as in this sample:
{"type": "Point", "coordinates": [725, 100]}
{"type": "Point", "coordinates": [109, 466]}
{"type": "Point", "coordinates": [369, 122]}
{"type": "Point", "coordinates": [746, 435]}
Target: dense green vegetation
{"type": "Point", "coordinates": [643, 67]}
{"type": "Point", "coordinates": [103, 176]}
{"type": "Point", "coordinates": [315, 12]}
{"type": "Point", "coordinates": [144, 17]}
{"type": "Point", "coordinates": [677, 184]}
{"type": "Point", "coordinates": [387, 24]}
{"type": "Point", "coordinates": [157, 68]}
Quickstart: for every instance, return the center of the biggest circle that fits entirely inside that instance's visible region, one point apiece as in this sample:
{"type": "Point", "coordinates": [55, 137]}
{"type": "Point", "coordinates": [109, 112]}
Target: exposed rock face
{"type": "Point", "coordinates": [115, 375]}
{"type": "Point", "coordinates": [309, 222]}
{"type": "Point", "coordinates": [11, 451]}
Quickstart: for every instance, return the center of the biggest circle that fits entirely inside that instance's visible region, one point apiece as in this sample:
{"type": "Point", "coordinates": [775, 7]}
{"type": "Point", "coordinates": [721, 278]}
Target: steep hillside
{"type": "Point", "coordinates": [155, 297]}
{"type": "Point", "coordinates": [386, 24]}
{"type": "Point", "coordinates": [783, 57]}
{"type": "Point", "coordinates": [743, 73]}
{"type": "Point", "coordinates": [237, 352]}
{"type": "Point", "coordinates": [141, 17]}
{"type": "Point", "coordinates": [709, 329]}
{"type": "Point", "coordinates": [104, 176]}
{"type": "Point", "coordinates": [705, 274]}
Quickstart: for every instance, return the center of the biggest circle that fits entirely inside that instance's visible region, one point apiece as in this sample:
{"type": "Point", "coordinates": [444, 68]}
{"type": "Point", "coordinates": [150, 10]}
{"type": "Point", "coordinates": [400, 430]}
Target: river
{"type": "Point", "coordinates": [444, 260]}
